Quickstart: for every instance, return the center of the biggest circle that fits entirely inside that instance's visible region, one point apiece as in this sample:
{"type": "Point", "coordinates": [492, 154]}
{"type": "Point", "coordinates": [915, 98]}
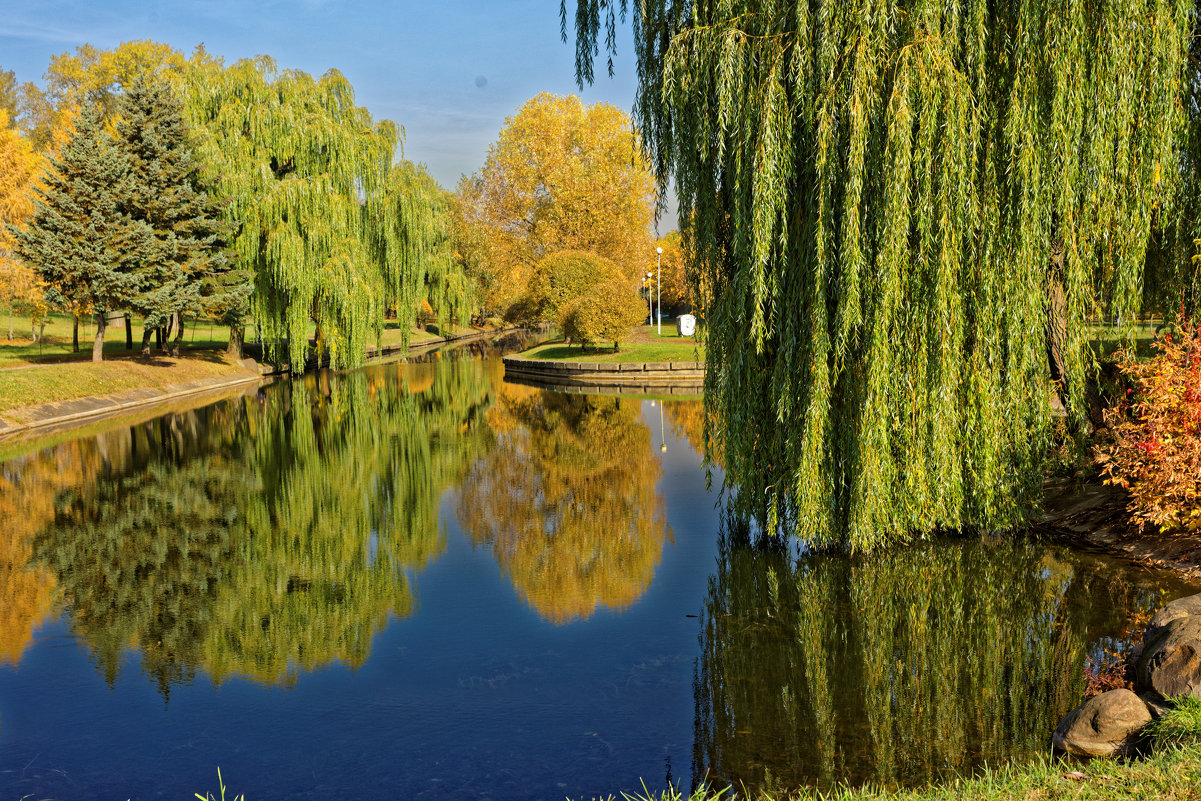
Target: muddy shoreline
{"type": "Point", "coordinates": [1093, 516]}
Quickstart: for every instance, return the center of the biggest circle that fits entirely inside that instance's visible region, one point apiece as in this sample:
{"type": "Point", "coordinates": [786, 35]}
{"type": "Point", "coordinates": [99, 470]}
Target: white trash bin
{"type": "Point", "coordinates": [686, 325]}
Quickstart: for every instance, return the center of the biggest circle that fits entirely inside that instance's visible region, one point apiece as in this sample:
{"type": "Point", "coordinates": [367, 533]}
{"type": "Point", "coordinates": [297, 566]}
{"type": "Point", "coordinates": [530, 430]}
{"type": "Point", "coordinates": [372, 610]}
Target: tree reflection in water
{"type": "Point", "coordinates": [894, 670]}
{"type": "Point", "coordinates": [268, 536]}
{"type": "Point", "coordinates": [566, 499]}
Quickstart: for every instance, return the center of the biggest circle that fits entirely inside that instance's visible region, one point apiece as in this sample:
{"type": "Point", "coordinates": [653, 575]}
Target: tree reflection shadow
{"type": "Point", "coordinates": [894, 670]}
{"type": "Point", "coordinates": [566, 499]}
{"type": "Point", "coordinates": [268, 536]}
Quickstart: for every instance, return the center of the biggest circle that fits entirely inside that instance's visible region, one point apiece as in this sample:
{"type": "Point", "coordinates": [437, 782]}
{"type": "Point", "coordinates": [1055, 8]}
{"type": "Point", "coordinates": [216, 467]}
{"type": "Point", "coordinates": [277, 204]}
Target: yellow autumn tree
{"type": "Point", "coordinates": [19, 169]}
{"type": "Point", "coordinates": [562, 176]}
{"type": "Point", "coordinates": [96, 76]}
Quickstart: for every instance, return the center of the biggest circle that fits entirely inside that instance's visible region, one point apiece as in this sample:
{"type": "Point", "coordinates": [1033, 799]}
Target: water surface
{"type": "Point", "coordinates": [417, 581]}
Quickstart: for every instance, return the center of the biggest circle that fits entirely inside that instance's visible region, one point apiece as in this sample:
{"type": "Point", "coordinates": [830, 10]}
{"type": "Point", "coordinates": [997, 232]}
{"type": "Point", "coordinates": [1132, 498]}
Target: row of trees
{"type": "Point", "coordinates": [242, 192]}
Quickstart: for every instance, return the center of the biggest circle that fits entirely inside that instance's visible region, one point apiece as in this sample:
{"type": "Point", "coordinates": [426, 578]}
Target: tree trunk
{"type": "Point", "coordinates": [158, 337]}
{"type": "Point", "coordinates": [128, 332]}
{"type": "Point", "coordinates": [75, 332]}
{"type": "Point", "coordinates": [98, 345]}
{"type": "Point", "coordinates": [236, 334]}
{"type": "Point", "coordinates": [175, 346]}
{"type": "Point", "coordinates": [10, 322]}
{"type": "Point", "coordinates": [147, 332]}
{"type": "Point", "coordinates": [41, 329]}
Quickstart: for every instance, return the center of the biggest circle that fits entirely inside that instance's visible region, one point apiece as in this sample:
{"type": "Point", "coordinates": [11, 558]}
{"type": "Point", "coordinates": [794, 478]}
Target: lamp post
{"type": "Point", "coordinates": [659, 285]}
{"type": "Point", "coordinates": [650, 309]}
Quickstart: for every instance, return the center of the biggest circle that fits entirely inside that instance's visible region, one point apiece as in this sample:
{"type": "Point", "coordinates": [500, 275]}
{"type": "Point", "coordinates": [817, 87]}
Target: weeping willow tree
{"type": "Point", "coordinates": [332, 234]}
{"type": "Point", "coordinates": [903, 211]}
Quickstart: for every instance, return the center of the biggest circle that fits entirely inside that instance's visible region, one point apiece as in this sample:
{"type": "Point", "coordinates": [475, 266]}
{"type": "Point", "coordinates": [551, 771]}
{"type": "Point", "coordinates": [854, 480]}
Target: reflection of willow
{"type": "Point", "coordinates": [895, 670]}
{"type": "Point", "coordinates": [566, 500]}
{"type": "Point", "coordinates": [275, 536]}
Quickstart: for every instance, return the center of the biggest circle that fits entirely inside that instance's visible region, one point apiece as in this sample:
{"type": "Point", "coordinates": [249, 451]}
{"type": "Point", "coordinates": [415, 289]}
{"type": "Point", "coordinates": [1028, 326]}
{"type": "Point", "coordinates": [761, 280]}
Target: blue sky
{"type": "Point", "coordinates": [449, 71]}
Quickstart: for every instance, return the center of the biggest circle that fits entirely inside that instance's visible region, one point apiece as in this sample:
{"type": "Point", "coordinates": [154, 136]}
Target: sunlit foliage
{"type": "Point", "coordinates": [334, 235]}
{"type": "Point", "coordinates": [19, 170]}
{"type": "Point", "coordinates": [902, 210]}
{"type": "Point", "coordinates": [562, 176]}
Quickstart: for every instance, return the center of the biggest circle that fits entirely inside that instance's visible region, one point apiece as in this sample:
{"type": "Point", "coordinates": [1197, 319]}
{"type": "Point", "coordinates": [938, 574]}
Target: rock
{"type": "Point", "coordinates": [1171, 662]}
{"type": "Point", "coordinates": [1156, 705]}
{"type": "Point", "coordinates": [1181, 607]}
{"type": "Point", "coordinates": [1105, 725]}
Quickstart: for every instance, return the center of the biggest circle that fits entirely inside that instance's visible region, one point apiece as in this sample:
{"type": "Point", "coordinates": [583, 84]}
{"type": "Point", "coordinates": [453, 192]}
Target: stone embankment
{"type": "Point", "coordinates": [667, 378]}
{"type": "Point", "coordinates": [36, 420]}
{"type": "Point", "coordinates": [1165, 666]}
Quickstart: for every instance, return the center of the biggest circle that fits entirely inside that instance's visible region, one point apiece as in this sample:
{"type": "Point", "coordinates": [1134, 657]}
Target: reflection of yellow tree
{"type": "Point", "coordinates": [566, 499]}
{"type": "Point", "coordinates": [897, 670]}
{"type": "Point", "coordinates": [28, 488]}
{"type": "Point", "coordinates": [687, 420]}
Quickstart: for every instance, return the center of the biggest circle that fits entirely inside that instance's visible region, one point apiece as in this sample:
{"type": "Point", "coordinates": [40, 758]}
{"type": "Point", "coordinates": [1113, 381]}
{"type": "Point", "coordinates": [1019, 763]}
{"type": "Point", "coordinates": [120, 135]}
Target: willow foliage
{"type": "Point", "coordinates": [334, 234]}
{"type": "Point", "coordinates": [900, 209]}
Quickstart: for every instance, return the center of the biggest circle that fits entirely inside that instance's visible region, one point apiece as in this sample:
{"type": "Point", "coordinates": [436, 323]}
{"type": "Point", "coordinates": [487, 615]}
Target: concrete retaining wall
{"type": "Point", "coordinates": [648, 377]}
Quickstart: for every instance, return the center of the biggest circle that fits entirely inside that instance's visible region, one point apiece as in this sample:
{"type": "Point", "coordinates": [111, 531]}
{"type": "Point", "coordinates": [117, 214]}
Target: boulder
{"type": "Point", "coordinates": [1105, 725]}
{"type": "Point", "coordinates": [1171, 662]}
{"type": "Point", "coordinates": [1181, 607]}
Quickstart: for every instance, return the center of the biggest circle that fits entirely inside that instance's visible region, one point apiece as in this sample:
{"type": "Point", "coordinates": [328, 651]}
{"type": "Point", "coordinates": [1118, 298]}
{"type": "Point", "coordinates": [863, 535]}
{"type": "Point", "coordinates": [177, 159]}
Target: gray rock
{"type": "Point", "coordinates": [1181, 607]}
{"type": "Point", "coordinates": [1156, 705]}
{"type": "Point", "coordinates": [1171, 663]}
{"type": "Point", "coordinates": [1105, 725]}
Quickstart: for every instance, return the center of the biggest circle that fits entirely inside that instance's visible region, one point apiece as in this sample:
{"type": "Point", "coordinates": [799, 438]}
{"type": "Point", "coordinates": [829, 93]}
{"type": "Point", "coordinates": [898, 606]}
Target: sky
{"type": "Point", "coordinates": [448, 71]}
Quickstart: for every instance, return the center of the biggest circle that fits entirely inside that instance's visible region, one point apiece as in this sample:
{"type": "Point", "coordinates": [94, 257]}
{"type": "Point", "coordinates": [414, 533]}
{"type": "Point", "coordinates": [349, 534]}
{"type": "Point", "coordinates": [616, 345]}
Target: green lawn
{"type": "Point", "coordinates": [50, 383]}
{"type": "Point", "coordinates": [55, 345]}
{"type": "Point", "coordinates": [645, 345]}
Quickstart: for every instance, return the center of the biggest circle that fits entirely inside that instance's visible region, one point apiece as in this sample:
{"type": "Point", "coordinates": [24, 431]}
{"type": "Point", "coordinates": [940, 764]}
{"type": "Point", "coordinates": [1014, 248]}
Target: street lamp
{"type": "Point", "coordinates": [659, 283]}
{"type": "Point", "coordinates": [650, 310]}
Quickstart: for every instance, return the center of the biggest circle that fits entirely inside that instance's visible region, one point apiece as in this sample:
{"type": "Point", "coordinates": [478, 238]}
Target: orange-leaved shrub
{"type": "Point", "coordinates": [1156, 447]}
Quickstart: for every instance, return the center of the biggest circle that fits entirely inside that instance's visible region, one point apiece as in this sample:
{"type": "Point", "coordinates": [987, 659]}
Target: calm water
{"type": "Point", "coordinates": [417, 581]}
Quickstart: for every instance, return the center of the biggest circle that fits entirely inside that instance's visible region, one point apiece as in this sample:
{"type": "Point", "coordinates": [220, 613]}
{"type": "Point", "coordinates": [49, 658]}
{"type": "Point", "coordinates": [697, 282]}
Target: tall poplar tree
{"type": "Point", "coordinates": [166, 192]}
{"type": "Point", "coordinates": [82, 240]}
{"type": "Point", "coordinates": [902, 211]}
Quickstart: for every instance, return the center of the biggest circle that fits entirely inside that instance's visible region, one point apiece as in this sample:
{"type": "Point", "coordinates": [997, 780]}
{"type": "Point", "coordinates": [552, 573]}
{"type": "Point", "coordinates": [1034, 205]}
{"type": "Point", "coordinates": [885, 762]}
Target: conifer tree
{"type": "Point", "coordinates": [168, 194]}
{"type": "Point", "coordinates": [82, 240]}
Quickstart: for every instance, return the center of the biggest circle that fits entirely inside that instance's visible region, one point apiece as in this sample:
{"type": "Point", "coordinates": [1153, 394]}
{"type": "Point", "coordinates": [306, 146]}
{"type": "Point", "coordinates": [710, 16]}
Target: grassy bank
{"type": "Point", "coordinates": [52, 383]}
{"type": "Point", "coordinates": [645, 345]}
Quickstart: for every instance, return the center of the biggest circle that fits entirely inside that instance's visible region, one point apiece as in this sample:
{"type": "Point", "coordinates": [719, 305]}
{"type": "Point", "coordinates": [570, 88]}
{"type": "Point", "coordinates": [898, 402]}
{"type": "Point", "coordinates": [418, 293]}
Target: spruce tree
{"type": "Point", "coordinates": [168, 194]}
{"type": "Point", "coordinates": [82, 240]}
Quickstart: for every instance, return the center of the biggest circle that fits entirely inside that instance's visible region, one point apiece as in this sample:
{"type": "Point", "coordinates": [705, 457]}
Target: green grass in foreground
{"type": "Point", "coordinates": [645, 345]}
{"type": "Point", "coordinates": [1171, 773]}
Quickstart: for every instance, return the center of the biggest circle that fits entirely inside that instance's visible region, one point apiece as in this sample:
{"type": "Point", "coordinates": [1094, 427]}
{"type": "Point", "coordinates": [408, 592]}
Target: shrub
{"type": "Point", "coordinates": [607, 313]}
{"type": "Point", "coordinates": [564, 276]}
{"type": "Point", "coordinates": [1156, 448]}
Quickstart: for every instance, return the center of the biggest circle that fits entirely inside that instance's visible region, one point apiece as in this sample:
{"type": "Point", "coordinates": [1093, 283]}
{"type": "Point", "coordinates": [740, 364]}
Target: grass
{"type": "Point", "coordinates": [51, 383]}
{"type": "Point", "coordinates": [645, 345]}
{"type": "Point", "coordinates": [55, 345]}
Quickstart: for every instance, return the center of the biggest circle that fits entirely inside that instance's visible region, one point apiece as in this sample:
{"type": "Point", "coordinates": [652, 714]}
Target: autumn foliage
{"type": "Point", "coordinates": [1156, 452]}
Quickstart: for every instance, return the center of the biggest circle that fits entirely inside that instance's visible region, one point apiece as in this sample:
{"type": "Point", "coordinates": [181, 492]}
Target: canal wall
{"type": "Point", "coordinates": [670, 378]}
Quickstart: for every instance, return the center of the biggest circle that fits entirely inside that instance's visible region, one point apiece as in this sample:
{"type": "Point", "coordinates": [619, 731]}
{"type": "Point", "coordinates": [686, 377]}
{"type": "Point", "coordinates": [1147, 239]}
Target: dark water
{"type": "Point", "coordinates": [416, 581]}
